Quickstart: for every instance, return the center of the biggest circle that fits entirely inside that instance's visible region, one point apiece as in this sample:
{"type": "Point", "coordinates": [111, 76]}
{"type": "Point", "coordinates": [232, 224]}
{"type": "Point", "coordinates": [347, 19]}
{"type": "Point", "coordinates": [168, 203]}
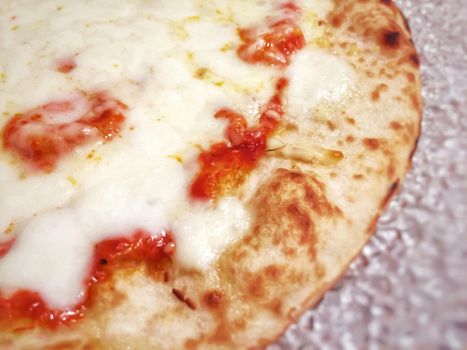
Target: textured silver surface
{"type": "Point", "coordinates": [408, 290]}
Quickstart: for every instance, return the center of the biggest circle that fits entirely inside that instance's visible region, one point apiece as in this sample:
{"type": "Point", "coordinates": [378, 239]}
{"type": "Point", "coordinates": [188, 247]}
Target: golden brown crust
{"type": "Point", "coordinates": [309, 221]}
{"type": "Point", "coordinates": [382, 24]}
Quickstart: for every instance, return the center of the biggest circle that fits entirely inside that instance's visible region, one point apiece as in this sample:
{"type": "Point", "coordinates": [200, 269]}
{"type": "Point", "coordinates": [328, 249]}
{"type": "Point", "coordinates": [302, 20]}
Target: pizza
{"type": "Point", "coordinates": [192, 174]}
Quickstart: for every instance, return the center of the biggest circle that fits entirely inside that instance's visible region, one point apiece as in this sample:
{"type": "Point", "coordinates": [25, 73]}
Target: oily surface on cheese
{"type": "Point", "coordinates": [247, 263]}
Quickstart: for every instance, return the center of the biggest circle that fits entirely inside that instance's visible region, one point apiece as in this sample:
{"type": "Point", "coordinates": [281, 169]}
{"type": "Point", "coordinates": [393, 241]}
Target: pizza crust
{"type": "Point", "coordinates": [310, 219]}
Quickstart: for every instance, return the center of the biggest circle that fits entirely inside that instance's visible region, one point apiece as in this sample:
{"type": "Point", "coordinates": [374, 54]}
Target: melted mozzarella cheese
{"type": "Point", "coordinates": [149, 56]}
{"type": "Point", "coordinates": [250, 13]}
{"type": "Point", "coordinates": [317, 77]}
{"type": "Point", "coordinates": [210, 231]}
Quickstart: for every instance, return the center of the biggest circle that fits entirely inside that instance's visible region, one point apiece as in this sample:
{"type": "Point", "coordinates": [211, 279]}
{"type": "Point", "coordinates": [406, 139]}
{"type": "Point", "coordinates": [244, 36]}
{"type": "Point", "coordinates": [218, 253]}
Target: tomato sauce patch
{"type": "Point", "coordinates": [41, 137]}
{"type": "Point", "coordinates": [26, 309]}
{"type": "Point", "coordinates": [225, 165]}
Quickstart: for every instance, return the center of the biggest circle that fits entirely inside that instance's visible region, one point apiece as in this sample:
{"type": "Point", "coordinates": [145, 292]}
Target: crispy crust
{"type": "Point", "coordinates": [310, 221]}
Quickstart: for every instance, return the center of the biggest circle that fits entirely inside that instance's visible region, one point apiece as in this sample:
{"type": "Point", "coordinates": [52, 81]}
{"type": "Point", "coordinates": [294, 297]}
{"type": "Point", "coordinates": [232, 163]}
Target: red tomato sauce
{"type": "Point", "coordinates": [26, 309]}
{"type": "Point", "coordinates": [5, 247]}
{"type": "Point", "coordinates": [275, 45]}
{"type": "Point", "coordinates": [40, 142]}
{"type": "Point", "coordinates": [291, 6]}
{"type": "Point", "coordinates": [225, 165]}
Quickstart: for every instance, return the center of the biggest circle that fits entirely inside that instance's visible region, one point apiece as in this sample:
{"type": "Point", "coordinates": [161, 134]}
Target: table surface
{"type": "Point", "coordinates": [408, 290]}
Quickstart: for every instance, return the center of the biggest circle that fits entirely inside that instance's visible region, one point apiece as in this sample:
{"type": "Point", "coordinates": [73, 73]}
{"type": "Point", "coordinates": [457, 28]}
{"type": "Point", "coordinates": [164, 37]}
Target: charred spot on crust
{"type": "Point", "coordinates": [391, 39]}
{"type": "Point", "coordinates": [415, 60]}
{"type": "Point", "coordinates": [380, 22]}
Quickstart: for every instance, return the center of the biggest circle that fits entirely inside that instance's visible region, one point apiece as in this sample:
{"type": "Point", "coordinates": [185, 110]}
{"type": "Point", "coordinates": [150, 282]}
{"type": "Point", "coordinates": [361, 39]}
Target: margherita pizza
{"type": "Point", "coordinates": [192, 174]}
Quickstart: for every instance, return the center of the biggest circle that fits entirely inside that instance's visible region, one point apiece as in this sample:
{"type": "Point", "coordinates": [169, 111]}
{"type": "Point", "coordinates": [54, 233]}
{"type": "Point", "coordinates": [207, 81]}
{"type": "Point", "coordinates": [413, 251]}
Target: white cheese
{"type": "Point", "coordinates": [48, 256]}
{"type": "Point", "coordinates": [315, 77]}
{"type": "Point", "coordinates": [250, 13]}
{"type": "Point", "coordinates": [146, 54]}
{"type": "Point", "coordinates": [210, 230]}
